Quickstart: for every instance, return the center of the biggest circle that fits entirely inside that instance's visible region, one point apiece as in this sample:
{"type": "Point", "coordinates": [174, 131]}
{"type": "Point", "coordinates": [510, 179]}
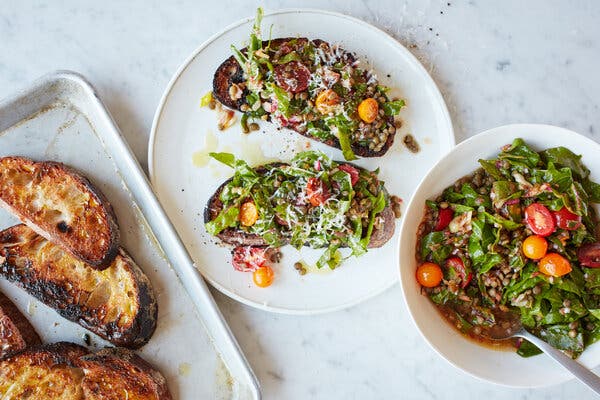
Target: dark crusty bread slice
{"type": "Point", "coordinates": [117, 303]}
{"type": "Point", "coordinates": [16, 333]}
{"type": "Point", "coordinates": [69, 372]}
{"type": "Point", "coordinates": [61, 205]}
{"type": "Point", "coordinates": [238, 237]}
{"type": "Point", "coordinates": [112, 373]}
{"type": "Point", "coordinates": [44, 372]}
{"type": "Point", "coordinates": [230, 72]}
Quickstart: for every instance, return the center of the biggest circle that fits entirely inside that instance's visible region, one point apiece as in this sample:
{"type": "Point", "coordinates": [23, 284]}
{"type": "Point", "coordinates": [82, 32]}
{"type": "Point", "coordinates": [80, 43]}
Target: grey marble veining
{"type": "Point", "coordinates": [495, 63]}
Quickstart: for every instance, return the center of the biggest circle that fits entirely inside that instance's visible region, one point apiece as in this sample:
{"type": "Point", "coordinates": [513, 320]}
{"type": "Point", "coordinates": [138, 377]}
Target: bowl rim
{"type": "Point", "coordinates": [405, 230]}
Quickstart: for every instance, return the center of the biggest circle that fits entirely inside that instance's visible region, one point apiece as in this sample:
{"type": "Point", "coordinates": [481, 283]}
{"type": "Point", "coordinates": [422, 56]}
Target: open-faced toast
{"type": "Point", "coordinates": [61, 205]}
{"type": "Point", "coordinates": [312, 87]}
{"type": "Point", "coordinates": [16, 333]}
{"type": "Point", "coordinates": [66, 371]}
{"type": "Point", "coordinates": [117, 303]}
{"type": "Point", "coordinates": [313, 201]}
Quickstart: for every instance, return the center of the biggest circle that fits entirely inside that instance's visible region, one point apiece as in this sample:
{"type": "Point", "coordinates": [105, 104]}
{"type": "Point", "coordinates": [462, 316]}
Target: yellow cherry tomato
{"type": "Point", "coordinates": [248, 213]}
{"type": "Point", "coordinates": [535, 247]}
{"type": "Point", "coordinates": [553, 264]}
{"type": "Point", "coordinates": [429, 274]}
{"type": "Point", "coordinates": [368, 110]}
{"type": "Point", "coordinates": [263, 276]}
{"type": "Point", "coordinates": [326, 100]}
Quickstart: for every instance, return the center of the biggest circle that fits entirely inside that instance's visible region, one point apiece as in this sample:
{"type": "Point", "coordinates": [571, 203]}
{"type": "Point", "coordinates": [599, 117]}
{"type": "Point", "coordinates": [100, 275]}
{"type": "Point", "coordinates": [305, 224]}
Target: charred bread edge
{"type": "Point", "coordinates": [142, 327]}
{"type": "Point", "coordinates": [240, 238]}
{"type": "Point", "coordinates": [24, 328]}
{"type": "Point", "coordinates": [100, 198]}
{"type": "Point", "coordinates": [230, 72]}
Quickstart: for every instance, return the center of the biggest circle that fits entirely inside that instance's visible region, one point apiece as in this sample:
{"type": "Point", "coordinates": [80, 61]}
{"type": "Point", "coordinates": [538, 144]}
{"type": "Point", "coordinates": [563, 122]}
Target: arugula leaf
{"type": "Point", "coordinates": [226, 218]}
{"type": "Point", "coordinates": [393, 107]}
{"type": "Point", "coordinates": [283, 99]}
{"type": "Point", "coordinates": [332, 257]}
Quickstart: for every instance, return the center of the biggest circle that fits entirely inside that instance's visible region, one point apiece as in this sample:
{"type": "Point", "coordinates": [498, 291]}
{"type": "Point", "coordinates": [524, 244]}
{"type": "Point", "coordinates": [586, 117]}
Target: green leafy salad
{"type": "Point", "coordinates": [516, 243]}
{"type": "Point", "coordinates": [312, 201]}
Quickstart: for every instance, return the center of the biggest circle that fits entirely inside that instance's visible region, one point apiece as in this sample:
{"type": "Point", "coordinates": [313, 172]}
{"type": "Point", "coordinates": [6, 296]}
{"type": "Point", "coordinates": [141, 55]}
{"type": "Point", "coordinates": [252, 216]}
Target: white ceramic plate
{"type": "Point", "coordinates": [501, 367]}
{"type": "Point", "coordinates": [182, 130]}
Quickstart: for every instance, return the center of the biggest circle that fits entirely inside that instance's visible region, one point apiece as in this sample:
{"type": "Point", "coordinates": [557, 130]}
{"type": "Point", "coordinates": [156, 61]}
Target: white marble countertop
{"type": "Point", "coordinates": [495, 63]}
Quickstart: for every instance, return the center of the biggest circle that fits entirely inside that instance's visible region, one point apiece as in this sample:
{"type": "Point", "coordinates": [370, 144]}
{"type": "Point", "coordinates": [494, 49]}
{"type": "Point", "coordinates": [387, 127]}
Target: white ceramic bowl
{"type": "Point", "coordinates": [501, 367]}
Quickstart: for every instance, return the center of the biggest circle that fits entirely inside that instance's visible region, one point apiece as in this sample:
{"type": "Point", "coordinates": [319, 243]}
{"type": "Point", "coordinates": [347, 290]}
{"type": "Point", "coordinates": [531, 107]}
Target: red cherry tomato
{"type": "Point", "coordinates": [353, 172]}
{"type": "Point", "coordinates": [459, 267]}
{"type": "Point", "coordinates": [248, 258]}
{"type": "Point", "coordinates": [292, 77]}
{"type": "Point", "coordinates": [316, 191]}
{"type": "Point", "coordinates": [539, 219]}
{"type": "Point", "coordinates": [565, 219]}
{"type": "Point", "coordinates": [445, 215]}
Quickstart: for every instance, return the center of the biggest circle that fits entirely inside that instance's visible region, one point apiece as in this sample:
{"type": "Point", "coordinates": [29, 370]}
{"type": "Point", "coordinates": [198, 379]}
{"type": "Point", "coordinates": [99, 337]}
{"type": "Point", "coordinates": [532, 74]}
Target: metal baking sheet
{"type": "Point", "coordinates": [61, 118]}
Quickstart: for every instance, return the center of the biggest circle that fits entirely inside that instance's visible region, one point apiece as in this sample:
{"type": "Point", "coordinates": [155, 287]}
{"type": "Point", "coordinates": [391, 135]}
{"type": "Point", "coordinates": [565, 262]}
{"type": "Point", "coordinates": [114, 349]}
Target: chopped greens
{"type": "Point", "coordinates": [520, 197]}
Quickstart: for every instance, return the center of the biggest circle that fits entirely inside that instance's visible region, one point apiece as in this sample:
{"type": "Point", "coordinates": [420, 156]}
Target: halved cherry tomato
{"type": "Point", "coordinates": [539, 219]}
{"type": "Point", "coordinates": [316, 191]}
{"type": "Point", "coordinates": [535, 247]}
{"type": "Point", "coordinates": [368, 110]}
{"type": "Point", "coordinates": [248, 258]}
{"type": "Point", "coordinates": [292, 77]}
{"type": "Point", "coordinates": [353, 172]}
{"type": "Point", "coordinates": [263, 276]}
{"type": "Point", "coordinates": [429, 274]}
{"type": "Point", "coordinates": [459, 267]}
{"type": "Point", "coordinates": [553, 264]}
{"type": "Point", "coordinates": [565, 219]}
{"type": "Point", "coordinates": [248, 214]}
{"type": "Point", "coordinates": [326, 100]}
{"type": "Point", "coordinates": [445, 215]}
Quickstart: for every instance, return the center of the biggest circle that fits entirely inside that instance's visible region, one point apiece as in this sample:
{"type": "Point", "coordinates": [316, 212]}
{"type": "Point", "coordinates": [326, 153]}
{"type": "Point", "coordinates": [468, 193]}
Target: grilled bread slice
{"type": "Point", "coordinates": [230, 72]}
{"type": "Point", "coordinates": [241, 238]}
{"type": "Point", "coordinates": [118, 374]}
{"type": "Point", "coordinates": [16, 333]}
{"type": "Point", "coordinates": [69, 372]}
{"type": "Point", "coordinates": [44, 372]}
{"type": "Point", "coordinates": [61, 205]}
{"type": "Point", "coordinates": [117, 303]}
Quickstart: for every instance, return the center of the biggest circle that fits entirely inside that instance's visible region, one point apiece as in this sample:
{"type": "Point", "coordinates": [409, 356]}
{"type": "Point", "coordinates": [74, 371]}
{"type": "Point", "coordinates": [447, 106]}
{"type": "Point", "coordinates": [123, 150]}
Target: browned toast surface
{"type": "Point", "coordinates": [68, 371]}
{"type": "Point", "coordinates": [16, 333]}
{"type": "Point", "coordinates": [117, 303]}
{"type": "Point", "coordinates": [230, 72]}
{"type": "Point", "coordinates": [110, 373]}
{"type": "Point", "coordinates": [45, 372]}
{"type": "Point", "coordinates": [240, 238]}
{"type": "Point", "coordinates": [61, 205]}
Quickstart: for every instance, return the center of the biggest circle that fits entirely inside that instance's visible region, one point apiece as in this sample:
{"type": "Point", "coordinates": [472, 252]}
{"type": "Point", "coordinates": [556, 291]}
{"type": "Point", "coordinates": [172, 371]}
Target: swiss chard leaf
{"type": "Point", "coordinates": [520, 153]}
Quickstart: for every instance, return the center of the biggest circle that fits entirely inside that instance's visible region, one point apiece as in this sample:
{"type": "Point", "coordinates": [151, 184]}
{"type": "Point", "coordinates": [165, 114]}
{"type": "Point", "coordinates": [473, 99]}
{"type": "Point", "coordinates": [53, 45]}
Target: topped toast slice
{"type": "Point", "coordinates": [66, 371]}
{"type": "Point", "coordinates": [312, 201]}
{"type": "Point", "coordinates": [16, 333]}
{"type": "Point", "coordinates": [117, 303]}
{"type": "Point", "coordinates": [312, 87]}
{"type": "Point", "coordinates": [61, 205]}
{"type": "Point", "coordinates": [43, 372]}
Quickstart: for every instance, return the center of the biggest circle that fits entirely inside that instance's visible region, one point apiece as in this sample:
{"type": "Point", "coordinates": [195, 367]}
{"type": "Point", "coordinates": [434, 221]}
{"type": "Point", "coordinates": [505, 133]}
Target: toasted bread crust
{"type": "Point", "coordinates": [68, 371]}
{"type": "Point", "coordinates": [118, 303]}
{"type": "Point", "coordinates": [61, 205]}
{"type": "Point", "coordinates": [237, 237]}
{"type": "Point", "coordinates": [44, 372]}
{"type": "Point", "coordinates": [111, 372]}
{"type": "Point", "coordinates": [16, 333]}
{"type": "Point", "coordinates": [230, 72]}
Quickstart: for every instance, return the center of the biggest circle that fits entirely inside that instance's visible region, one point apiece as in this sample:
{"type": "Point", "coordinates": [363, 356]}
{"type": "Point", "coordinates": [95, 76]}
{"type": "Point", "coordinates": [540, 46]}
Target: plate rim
{"type": "Point", "coordinates": [566, 376]}
{"type": "Point", "coordinates": [436, 95]}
